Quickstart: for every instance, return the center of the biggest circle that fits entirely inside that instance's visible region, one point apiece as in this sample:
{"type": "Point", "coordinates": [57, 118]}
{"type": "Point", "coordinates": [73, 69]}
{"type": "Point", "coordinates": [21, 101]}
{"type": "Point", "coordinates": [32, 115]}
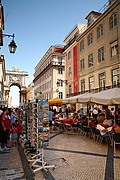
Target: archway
{"type": "Point", "coordinates": [18, 78]}
{"type": "Point", "coordinates": [14, 97]}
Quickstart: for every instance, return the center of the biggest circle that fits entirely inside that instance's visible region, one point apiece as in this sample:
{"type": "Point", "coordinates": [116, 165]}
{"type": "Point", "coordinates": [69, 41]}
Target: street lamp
{"type": "Point", "coordinates": [12, 46]}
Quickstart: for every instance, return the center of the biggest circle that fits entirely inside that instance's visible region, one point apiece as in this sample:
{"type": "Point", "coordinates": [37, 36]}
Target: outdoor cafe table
{"type": "Point", "coordinates": [67, 121]}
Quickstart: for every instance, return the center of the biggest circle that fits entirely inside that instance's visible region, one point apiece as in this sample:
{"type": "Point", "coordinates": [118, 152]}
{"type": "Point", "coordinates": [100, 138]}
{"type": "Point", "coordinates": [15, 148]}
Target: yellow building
{"type": "Point", "coordinates": [30, 92]}
{"type": "Point", "coordinates": [92, 58]}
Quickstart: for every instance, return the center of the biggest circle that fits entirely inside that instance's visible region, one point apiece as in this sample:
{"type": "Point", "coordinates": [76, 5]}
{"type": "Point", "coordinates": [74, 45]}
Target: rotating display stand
{"type": "Point", "coordinates": [41, 118]}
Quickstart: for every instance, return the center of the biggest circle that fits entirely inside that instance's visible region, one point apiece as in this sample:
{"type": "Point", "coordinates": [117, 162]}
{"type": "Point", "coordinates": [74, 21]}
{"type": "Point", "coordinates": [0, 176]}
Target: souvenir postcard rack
{"type": "Point", "coordinates": [40, 134]}
{"type": "Point", "coordinates": [23, 121]}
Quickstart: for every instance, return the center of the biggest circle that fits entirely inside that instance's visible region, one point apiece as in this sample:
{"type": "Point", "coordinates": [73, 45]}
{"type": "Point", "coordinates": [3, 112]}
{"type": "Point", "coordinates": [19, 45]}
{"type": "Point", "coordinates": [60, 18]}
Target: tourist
{"type": "Point", "coordinates": [5, 129]}
{"type": "Point", "coordinates": [19, 130]}
{"type": "Point", "coordinates": [50, 119]}
{"type": "Point", "coordinates": [14, 135]}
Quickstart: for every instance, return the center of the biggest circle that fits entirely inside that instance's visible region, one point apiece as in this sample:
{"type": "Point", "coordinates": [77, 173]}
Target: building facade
{"type": "Point", "coordinates": [2, 80]}
{"type": "Point", "coordinates": [30, 92]}
{"type": "Point", "coordinates": [2, 60]}
{"type": "Point", "coordinates": [92, 59]}
{"type": "Point", "coordinates": [49, 76]}
{"type": "Point", "coordinates": [71, 54]}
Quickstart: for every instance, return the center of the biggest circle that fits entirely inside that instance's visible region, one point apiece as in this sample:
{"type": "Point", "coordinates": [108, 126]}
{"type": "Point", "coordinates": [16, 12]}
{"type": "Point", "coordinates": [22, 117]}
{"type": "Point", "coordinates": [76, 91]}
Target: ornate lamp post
{"type": "Point", "coordinates": [12, 46]}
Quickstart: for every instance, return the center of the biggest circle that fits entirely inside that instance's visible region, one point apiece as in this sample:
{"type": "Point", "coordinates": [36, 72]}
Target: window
{"type": "Point", "coordinates": [82, 45]}
{"type": "Point", "coordinates": [60, 95]}
{"type": "Point", "coordinates": [69, 55]}
{"type": "Point", "coordinates": [91, 84]}
{"type": "Point", "coordinates": [60, 60]}
{"type": "Point", "coordinates": [100, 31]}
{"type": "Point", "coordinates": [51, 72]}
{"type": "Point", "coordinates": [82, 65]}
{"type": "Point", "coordinates": [116, 77]}
{"type": "Point", "coordinates": [101, 54]}
{"type": "Point", "coordinates": [90, 20]}
{"type": "Point", "coordinates": [70, 89]}
{"type": "Point", "coordinates": [102, 81]}
{"type": "Point", "coordinates": [59, 70]}
{"type": "Point", "coordinates": [89, 38]}
{"type": "Point", "coordinates": [111, 1]}
{"type": "Point", "coordinates": [113, 20]}
{"type": "Point", "coordinates": [90, 60]}
{"type": "Point", "coordinates": [69, 71]}
{"type": "Point", "coordinates": [75, 35]}
{"type": "Point", "coordinates": [60, 83]}
{"type": "Point", "coordinates": [114, 48]}
{"type": "Point", "coordinates": [50, 82]}
{"type": "Point", "coordinates": [83, 86]}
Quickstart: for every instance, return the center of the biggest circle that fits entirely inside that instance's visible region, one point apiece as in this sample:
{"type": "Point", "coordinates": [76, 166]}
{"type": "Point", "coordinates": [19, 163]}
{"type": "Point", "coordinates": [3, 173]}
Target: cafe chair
{"type": "Point", "coordinates": [69, 129]}
{"type": "Point", "coordinates": [116, 140]}
{"type": "Point", "coordinates": [85, 131]}
{"type": "Point", "coordinates": [95, 134]}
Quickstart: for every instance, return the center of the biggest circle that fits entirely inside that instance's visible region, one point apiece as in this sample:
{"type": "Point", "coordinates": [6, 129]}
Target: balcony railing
{"type": "Point", "coordinates": [52, 63]}
{"type": "Point", "coordinates": [94, 90]}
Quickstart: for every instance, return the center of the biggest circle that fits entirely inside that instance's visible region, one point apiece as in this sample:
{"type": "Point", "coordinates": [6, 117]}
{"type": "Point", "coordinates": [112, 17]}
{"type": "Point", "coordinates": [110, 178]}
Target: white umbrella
{"type": "Point", "coordinates": [107, 97]}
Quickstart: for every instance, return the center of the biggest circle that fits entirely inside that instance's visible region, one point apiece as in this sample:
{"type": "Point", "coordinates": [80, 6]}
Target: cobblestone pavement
{"type": "Point", "coordinates": [74, 157]}
{"type": "Point", "coordinates": [78, 158]}
{"type": "Point", "coordinates": [11, 166]}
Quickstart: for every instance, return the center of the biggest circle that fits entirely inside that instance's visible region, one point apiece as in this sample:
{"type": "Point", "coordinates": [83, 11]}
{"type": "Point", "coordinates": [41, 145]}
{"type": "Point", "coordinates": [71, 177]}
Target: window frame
{"type": "Point", "coordinates": [60, 95]}
{"type": "Point", "coordinates": [114, 49]}
{"type": "Point", "coordinates": [82, 83]}
{"type": "Point", "coordinates": [90, 60]}
{"type": "Point", "coordinates": [90, 39]}
{"type": "Point", "coordinates": [82, 64]}
{"type": "Point", "coordinates": [60, 71]}
{"type": "Point", "coordinates": [69, 71]}
{"type": "Point", "coordinates": [81, 45]}
{"type": "Point", "coordinates": [60, 60]}
{"type": "Point", "coordinates": [70, 89]}
{"type": "Point", "coordinates": [113, 20]}
{"type": "Point", "coordinates": [102, 80]}
{"type": "Point", "coordinates": [115, 76]}
{"type": "Point", "coordinates": [69, 55]}
{"type": "Point", "coordinates": [101, 56]}
{"type": "Point", "coordinates": [91, 83]}
{"type": "Point", "coordinates": [100, 31]}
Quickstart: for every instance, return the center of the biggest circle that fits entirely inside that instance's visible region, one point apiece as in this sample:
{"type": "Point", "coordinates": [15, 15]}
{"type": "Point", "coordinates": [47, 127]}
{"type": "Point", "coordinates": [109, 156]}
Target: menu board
{"type": "Point", "coordinates": [43, 124]}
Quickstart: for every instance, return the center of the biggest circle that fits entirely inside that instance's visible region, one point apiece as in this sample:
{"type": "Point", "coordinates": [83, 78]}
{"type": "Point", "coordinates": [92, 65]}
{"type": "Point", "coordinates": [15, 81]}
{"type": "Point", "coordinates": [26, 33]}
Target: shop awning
{"type": "Point", "coordinates": [55, 102]}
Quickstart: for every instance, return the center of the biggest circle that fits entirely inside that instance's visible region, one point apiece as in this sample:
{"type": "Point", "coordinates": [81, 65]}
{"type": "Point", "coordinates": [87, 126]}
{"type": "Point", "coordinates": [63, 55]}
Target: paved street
{"type": "Point", "coordinates": [79, 158]}
{"type": "Point", "coordinates": [11, 166]}
{"type": "Point", "coordinates": [75, 158]}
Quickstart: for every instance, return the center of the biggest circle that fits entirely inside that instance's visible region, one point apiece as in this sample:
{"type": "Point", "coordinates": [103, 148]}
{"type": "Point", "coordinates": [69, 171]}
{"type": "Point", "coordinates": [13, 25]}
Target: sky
{"type": "Point", "coordinates": [38, 24]}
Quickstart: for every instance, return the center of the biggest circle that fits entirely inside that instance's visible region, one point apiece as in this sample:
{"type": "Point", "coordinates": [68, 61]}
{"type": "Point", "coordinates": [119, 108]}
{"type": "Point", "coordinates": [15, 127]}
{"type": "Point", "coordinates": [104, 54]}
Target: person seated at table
{"type": "Point", "coordinates": [84, 120]}
{"type": "Point", "coordinates": [93, 122]}
{"type": "Point", "coordinates": [61, 117]}
{"type": "Point", "coordinates": [108, 121]}
{"type": "Point", "coordinates": [75, 120]}
{"type": "Point", "coordinates": [72, 113]}
{"type": "Point", "coordinates": [101, 118]}
{"type": "Point", "coordinates": [116, 126]}
{"type": "Point", "coordinates": [68, 120]}
{"type": "Point", "coordinates": [104, 131]}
